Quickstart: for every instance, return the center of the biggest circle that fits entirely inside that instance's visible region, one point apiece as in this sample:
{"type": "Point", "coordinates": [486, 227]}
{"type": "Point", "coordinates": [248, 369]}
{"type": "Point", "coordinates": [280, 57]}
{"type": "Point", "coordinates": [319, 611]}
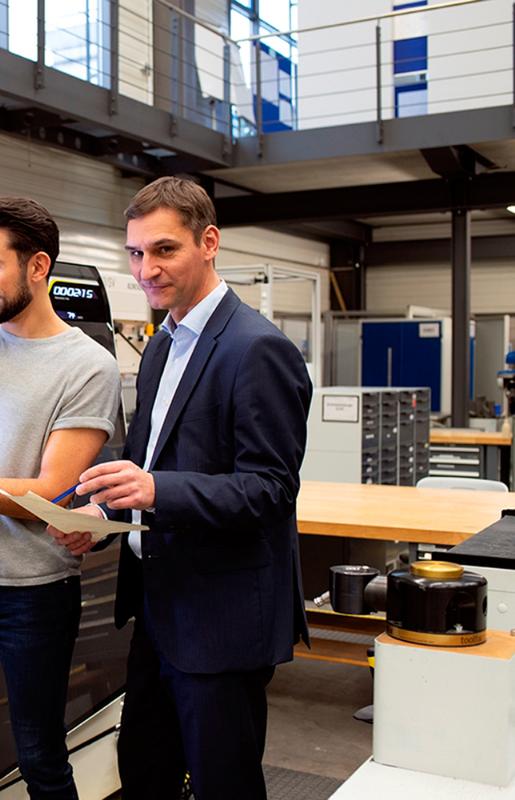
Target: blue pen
{"type": "Point", "coordinates": [64, 494]}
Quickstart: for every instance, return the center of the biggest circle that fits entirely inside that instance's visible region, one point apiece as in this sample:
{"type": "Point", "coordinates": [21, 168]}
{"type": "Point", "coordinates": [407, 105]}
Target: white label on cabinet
{"type": "Point", "coordinates": [429, 330]}
{"type": "Point", "coordinates": [340, 408]}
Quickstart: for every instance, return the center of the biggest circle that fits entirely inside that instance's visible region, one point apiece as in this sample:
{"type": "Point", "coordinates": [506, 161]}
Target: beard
{"type": "Point", "coordinates": [10, 308]}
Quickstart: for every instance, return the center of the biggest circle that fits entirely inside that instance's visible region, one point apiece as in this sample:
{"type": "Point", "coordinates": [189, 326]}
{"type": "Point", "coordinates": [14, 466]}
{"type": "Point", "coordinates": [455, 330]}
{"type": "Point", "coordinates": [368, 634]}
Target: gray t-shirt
{"type": "Point", "coordinates": [65, 381]}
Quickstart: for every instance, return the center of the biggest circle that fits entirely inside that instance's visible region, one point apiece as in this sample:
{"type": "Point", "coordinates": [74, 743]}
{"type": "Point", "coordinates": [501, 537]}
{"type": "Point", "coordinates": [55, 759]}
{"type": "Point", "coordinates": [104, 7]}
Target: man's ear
{"type": "Point", "coordinates": [210, 242]}
{"type": "Point", "coordinates": [38, 267]}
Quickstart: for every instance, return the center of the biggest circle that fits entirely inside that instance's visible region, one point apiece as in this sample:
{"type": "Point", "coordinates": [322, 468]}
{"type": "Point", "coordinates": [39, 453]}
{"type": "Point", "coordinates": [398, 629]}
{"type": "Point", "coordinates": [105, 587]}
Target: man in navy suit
{"type": "Point", "coordinates": [212, 467]}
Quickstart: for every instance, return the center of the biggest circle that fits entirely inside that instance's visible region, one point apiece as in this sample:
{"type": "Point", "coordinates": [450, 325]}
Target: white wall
{"type": "Point", "coordinates": [469, 59]}
{"type": "Point", "coordinates": [336, 76]}
{"type": "Point", "coordinates": [136, 57]}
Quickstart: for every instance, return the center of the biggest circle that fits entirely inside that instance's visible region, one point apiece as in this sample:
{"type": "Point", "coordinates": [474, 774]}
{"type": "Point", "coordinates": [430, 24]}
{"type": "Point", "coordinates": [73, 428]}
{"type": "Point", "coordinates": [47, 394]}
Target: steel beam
{"type": "Point", "coordinates": [81, 101]}
{"type": "Point", "coordinates": [459, 160]}
{"type": "Point", "coordinates": [333, 230]}
{"type": "Point", "coordinates": [46, 128]}
{"type": "Point", "coordinates": [434, 251]}
{"type": "Point", "coordinates": [409, 133]}
{"type": "Point", "coordinates": [39, 66]}
{"type": "Point", "coordinates": [407, 197]}
{"type": "Point", "coordinates": [460, 317]}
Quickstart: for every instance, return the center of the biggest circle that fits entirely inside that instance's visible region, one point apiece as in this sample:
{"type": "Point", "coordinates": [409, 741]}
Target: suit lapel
{"type": "Point", "coordinates": [150, 376]}
{"type": "Point", "coordinates": [196, 365]}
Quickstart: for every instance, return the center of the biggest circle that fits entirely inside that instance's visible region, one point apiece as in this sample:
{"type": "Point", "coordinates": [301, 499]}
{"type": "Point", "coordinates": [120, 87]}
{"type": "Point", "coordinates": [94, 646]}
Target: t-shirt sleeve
{"type": "Point", "coordinates": [91, 397]}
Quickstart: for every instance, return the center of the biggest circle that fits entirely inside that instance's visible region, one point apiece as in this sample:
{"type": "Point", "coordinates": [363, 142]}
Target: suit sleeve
{"type": "Point", "coordinates": [270, 402]}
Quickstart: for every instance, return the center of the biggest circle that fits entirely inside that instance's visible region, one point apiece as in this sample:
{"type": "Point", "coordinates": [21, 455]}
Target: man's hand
{"type": "Point", "coordinates": [80, 542]}
{"type": "Point", "coordinates": [119, 484]}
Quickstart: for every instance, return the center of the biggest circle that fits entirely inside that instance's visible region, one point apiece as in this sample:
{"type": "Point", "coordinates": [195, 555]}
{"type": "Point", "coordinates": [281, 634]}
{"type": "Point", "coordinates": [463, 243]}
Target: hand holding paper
{"type": "Point", "coordinates": [77, 543]}
{"type": "Point", "coordinates": [70, 521]}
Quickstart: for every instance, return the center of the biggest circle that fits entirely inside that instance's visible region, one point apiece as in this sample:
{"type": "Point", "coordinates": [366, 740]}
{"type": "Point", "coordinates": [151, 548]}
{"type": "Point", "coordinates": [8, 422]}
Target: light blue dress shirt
{"type": "Point", "coordinates": [184, 340]}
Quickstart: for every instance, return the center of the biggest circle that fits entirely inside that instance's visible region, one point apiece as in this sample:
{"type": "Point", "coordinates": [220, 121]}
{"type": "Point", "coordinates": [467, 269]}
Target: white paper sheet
{"type": "Point", "coordinates": [70, 521]}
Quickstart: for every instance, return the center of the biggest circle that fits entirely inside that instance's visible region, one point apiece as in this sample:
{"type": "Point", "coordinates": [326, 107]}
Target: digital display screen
{"type": "Point", "coordinates": [77, 300]}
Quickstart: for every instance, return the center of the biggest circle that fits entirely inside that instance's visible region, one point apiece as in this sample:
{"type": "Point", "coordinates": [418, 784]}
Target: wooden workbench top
{"type": "Point", "coordinates": [467, 436]}
{"type": "Point", "coordinates": [397, 513]}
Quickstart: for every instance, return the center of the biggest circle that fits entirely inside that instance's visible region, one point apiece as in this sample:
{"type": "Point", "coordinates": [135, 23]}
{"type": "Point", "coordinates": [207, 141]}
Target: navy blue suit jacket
{"type": "Point", "coordinates": [220, 569]}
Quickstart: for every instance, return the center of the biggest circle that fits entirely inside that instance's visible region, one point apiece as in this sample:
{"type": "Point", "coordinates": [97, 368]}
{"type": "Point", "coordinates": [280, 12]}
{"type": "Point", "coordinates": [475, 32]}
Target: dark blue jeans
{"type": "Point", "coordinates": [38, 627]}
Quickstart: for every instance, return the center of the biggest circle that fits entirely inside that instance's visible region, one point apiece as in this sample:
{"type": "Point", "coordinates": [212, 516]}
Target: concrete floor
{"type": "Point", "coordinates": [310, 727]}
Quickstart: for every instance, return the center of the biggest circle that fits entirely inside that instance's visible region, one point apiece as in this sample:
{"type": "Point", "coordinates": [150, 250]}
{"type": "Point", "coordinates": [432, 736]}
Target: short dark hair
{"type": "Point", "coordinates": [183, 195]}
{"type": "Point", "coordinates": [30, 228]}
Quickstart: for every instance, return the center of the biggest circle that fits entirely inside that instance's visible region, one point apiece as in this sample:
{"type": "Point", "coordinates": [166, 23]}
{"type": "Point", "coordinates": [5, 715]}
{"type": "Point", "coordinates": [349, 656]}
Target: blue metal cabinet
{"type": "Point", "coordinates": [402, 354]}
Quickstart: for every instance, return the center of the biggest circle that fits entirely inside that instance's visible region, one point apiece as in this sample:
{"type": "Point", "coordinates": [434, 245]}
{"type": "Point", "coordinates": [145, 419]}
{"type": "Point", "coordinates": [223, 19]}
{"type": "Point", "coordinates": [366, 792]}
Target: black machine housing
{"type": "Point", "coordinates": [435, 603]}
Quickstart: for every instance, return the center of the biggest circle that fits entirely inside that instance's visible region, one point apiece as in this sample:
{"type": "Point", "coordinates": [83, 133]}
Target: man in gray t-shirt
{"type": "Point", "coordinates": [59, 396]}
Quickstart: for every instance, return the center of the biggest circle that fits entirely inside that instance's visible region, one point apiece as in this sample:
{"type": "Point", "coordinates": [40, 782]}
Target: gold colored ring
{"type": "Point", "coordinates": [436, 570]}
{"type": "Point", "coordinates": [437, 639]}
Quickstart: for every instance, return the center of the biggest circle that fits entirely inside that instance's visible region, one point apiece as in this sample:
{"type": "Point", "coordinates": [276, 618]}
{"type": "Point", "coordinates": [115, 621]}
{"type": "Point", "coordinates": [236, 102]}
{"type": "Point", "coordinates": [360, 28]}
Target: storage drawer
{"type": "Point", "coordinates": [455, 470]}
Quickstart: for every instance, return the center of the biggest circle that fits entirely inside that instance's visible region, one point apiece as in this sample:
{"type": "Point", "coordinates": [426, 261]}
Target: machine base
{"type": "Point", "coordinates": [390, 783]}
{"type": "Point", "coordinates": [447, 711]}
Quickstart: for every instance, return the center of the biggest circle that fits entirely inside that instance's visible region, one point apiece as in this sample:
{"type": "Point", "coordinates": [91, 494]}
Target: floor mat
{"type": "Point", "coordinates": [288, 784]}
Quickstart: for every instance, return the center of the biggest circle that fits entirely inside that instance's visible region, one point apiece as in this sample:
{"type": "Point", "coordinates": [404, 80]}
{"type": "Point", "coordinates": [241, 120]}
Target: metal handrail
{"type": "Point", "coordinates": [378, 19]}
{"type": "Point", "coordinates": [374, 18]}
{"type": "Point", "coordinates": [214, 106]}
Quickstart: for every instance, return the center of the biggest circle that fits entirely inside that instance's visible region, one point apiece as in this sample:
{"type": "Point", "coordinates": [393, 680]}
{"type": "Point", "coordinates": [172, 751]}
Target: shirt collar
{"type": "Point", "coordinates": [196, 320]}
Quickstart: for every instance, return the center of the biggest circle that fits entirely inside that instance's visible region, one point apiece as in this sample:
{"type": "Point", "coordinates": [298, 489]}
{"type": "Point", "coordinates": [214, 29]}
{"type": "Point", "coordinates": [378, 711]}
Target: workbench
{"type": "Point", "coordinates": [391, 513]}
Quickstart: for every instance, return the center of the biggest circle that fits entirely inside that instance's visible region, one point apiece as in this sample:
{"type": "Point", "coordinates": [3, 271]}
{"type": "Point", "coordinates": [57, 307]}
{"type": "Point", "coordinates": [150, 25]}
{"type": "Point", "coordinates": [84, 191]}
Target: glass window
{"type": "Point", "coordinates": [77, 35]}
{"type": "Point", "coordinates": [278, 59]}
{"type": "Point", "coordinates": [411, 101]}
{"type": "Point", "coordinates": [77, 38]}
{"type": "Point", "coordinates": [3, 23]}
{"type": "Point", "coordinates": [277, 43]}
{"type": "Point", "coordinates": [241, 28]}
{"type": "Point", "coordinates": [23, 28]}
{"type": "Point", "coordinates": [276, 13]}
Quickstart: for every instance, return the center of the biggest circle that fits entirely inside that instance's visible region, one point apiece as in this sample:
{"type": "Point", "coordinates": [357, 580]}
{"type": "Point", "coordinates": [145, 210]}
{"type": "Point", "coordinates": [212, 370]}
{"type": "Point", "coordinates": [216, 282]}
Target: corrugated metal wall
{"type": "Point", "coordinates": [395, 287]}
{"type": "Point", "coordinates": [88, 197]}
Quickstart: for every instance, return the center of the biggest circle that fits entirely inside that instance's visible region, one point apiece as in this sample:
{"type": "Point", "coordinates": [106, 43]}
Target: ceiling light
{"type": "Point", "coordinates": [511, 209]}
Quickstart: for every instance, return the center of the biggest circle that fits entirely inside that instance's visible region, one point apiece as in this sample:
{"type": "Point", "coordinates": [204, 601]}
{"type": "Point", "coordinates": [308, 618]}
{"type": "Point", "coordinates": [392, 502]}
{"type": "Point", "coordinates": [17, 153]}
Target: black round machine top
{"type": "Point", "coordinates": [436, 603]}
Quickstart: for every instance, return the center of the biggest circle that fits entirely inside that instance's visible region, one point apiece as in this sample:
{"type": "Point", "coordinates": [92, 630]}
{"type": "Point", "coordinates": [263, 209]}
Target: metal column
{"type": "Point", "coordinates": [39, 66]}
{"type": "Point", "coordinates": [379, 119]}
{"type": "Point", "coordinates": [460, 317]}
{"type": "Point", "coordinates": [164, 90]}
{"type": "Point", "coordinates": [114, 73]}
